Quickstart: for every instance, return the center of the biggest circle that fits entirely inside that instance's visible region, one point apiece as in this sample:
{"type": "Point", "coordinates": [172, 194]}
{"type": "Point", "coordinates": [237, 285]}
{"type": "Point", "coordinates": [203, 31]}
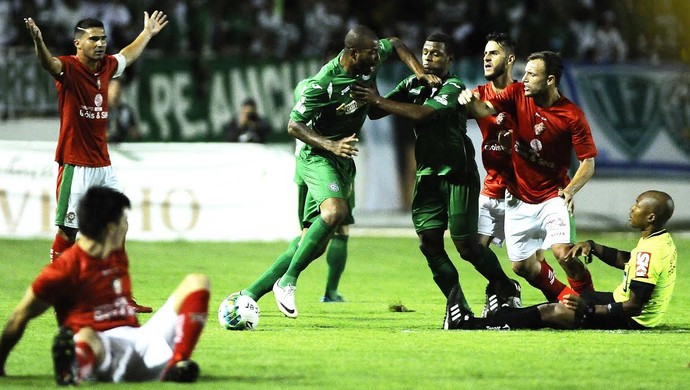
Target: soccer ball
{"type": "Point", "coordinates": [238, 312]}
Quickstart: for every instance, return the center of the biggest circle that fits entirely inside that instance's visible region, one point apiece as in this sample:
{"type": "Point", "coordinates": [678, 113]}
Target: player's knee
{"type": "Point", "coordinates": [468, 250]}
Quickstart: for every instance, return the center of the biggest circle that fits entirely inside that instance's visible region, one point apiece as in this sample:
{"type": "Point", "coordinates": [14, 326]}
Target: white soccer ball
{"type": "Point", "coordinates": [238, 312]}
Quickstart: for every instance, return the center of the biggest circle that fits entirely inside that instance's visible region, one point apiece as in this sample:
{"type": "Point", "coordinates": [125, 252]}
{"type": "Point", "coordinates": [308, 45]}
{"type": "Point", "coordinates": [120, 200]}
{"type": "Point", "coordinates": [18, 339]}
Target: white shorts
{"type": "Point", "coordinates": [138, 354]}
{"type": "Point", "coordinates": [73, 187]}
{"type": "Point", "coordinates": [530, 227]}
{"type": "Point", "coordinates": [491, 219]}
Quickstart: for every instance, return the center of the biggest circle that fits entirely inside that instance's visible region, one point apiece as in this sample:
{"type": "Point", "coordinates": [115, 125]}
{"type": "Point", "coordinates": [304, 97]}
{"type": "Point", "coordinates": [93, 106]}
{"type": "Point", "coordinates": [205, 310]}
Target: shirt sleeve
{"type": "Point", "coordinates": [310, 103]}
{"type": "Point", "coordinates": [505, 101]}
{"type": "Point", "coordinates": [385, 49]}
{"type": "Point", "coordinates": [53, 281]}
{"type": "Point", "coordinates": [121, 65]}
{"type": "Point", "coordinates": [582, 140]}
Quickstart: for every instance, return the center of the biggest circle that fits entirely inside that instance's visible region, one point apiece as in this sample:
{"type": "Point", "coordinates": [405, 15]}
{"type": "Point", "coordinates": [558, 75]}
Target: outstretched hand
{"type": "Point", "coordinates": [155, 23]}
{"type": "Point", "coordinates": [345, 147]}
{"type": "Point", "coordinates": [33, 29]}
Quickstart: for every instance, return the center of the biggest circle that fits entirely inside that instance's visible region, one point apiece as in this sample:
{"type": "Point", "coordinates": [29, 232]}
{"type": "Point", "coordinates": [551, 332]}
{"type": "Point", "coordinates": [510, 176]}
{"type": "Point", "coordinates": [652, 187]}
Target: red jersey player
{"type": "Point", "coordinates": [82, 84]}
{"type": "Point", "coordinates": [499, 57]}
{"type": "Point", "coordinates": [89, 289]}
{"type": "Point", "coordinates": [539, 203]}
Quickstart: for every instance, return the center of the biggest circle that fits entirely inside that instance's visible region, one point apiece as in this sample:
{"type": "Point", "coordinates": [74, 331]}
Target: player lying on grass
{"type": "Point", "coordinates": [640, 302]}
{"type": "Point", "coordinates": [89, 287]}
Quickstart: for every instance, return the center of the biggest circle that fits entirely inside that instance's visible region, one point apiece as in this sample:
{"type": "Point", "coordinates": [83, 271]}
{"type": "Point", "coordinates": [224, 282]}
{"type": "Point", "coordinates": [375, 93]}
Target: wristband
{"type": "Point", "coordinates": [614, 309]}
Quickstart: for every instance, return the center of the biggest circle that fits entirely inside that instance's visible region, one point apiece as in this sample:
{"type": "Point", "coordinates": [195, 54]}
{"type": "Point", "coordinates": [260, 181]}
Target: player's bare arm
{"type": "Point", "coordinates": [412, 111]}
{"type": "Point", "coordinates": [152, 25]}
{"type": "Point", "coordinates": [29, 307]}
{"type": "Point", "coordinates": [476, 108]}
{"type": "Point", "coordinates": [47, 61]}
{"type": "Point", "coordinates": [346, 147]}
{"type": "Point", "coordinates": [584, 172]}
{"type": "Point", "coordinates": [411, 61]}
{"type": "Point", "coordinates": [611, 256]}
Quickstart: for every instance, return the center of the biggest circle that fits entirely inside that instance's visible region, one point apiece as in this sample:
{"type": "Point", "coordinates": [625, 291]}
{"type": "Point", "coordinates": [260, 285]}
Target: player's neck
{"type": "Point", "coordinates": [93, 65]}
{"type": "Point", "coordinates": [548, 99]}
{"type": "Point", "coordinates": [501, 82]}
{"type": "Point", "coordinates": [94, 248]}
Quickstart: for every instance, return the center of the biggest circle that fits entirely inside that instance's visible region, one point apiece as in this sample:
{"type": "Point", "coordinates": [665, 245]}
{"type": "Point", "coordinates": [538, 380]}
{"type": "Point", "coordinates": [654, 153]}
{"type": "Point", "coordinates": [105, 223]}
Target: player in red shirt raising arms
{"type": "Point", "coordinates": [539, 201]}
{"type": "Point", "coordinates": [82, 84]}
{"type": "Point", "coordinates": [90, 287]}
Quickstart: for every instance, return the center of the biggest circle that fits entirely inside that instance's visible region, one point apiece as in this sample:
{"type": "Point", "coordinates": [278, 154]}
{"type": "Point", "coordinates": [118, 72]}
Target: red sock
{"type": "Point", "coordinates": [60, 244]}
{"type": "Point", "coordinates": [548, 284]}
{"type": "Point", "coordinates": [85, 360]}
{"type": "Point", "coordinates": [584, 284]}
{"type": "Point", "coordinates": [190, 321]}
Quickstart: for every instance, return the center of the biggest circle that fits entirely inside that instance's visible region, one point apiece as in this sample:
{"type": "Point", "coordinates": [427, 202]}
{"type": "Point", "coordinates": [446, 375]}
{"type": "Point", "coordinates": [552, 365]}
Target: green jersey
{"type": "Point", "coordinates": [325, 99]}
{"type": "Point", "coordinates": [442, 146]}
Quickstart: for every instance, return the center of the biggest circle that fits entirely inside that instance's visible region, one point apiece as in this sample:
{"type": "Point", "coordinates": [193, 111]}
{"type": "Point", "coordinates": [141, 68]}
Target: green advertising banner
{"type": "Point", "coordinates": [177, 103]}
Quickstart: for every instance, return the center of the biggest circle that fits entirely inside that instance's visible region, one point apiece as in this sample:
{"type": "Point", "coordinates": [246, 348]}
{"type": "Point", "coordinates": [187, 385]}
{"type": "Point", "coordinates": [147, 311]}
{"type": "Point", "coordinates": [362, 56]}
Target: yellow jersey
{"type": "Point", "coordinates": [652, 261]}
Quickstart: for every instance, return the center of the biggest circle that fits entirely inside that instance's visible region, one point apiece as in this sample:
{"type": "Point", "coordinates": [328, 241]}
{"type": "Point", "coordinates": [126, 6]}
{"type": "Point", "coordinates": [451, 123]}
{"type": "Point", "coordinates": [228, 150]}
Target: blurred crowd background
{"type": "Point", "coordinates": [599, 31]}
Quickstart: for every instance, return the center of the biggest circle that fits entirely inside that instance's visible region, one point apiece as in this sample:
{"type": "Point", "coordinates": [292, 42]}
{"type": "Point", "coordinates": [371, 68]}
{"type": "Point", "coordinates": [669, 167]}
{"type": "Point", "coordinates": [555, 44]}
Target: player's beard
{"type": "Point", "coordinates": [499, 70]}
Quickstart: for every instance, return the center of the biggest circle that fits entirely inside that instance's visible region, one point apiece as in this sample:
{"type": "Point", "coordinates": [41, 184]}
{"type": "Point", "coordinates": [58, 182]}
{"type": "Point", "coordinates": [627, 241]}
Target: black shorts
{"type": "Point", "coordinates": [607, 322]}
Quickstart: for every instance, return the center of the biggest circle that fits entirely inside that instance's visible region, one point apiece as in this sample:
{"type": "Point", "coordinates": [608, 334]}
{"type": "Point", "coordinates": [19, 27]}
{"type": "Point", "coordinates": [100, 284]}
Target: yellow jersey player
{"type": "Point", "coordinates": [639, 302]}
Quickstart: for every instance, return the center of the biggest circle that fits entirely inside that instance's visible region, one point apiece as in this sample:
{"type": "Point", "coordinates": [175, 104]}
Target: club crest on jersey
{"type": "Point", "coordinates": [539, 128]}
{"type": "Point", "coordinates": [334, 187]}
{"type": "Point", "coordinates": [71, 216]}
{"type": "Point", "coordinates": [536, 145]}
{"type": "Point", "coordinates": [642, 264]}
{"type": "Point", "coordinates": [98, 100]}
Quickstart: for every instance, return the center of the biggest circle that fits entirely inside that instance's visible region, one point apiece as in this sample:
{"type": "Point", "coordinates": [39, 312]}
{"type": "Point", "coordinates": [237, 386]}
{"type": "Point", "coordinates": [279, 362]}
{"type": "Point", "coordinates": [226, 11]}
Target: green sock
{"type": "Point", "coordinates": [264, 284]}
{"type": "Point", "coordinates": [489, 266]}
{"type": "Point", "coordinates": [336, 257]}
{"type": "Point", "coordinates": [444, 272]}
{"type": "Point", "coordinates": [313, 241]}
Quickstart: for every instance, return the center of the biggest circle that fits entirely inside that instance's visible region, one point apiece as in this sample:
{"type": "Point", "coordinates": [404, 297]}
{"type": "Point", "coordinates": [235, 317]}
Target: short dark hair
{"type": "Point", "coordinates": [249, 102]}
{"type": "Point", "coordinates": [553, 63]}
{"type": "Point", "coordinates": [97, 208]}
{"type": "Point", "coordinates": [85, 24]}
{"type": "Point", "coordinates": [359, 36]}
{"type": "Point", "coordinates": [441, 37]}
{"type": "Point", "coordinates": [504, 40]}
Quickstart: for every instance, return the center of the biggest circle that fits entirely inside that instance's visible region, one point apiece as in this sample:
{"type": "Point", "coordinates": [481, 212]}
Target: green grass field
{"type": "Point", "coordinates": [361, 343]}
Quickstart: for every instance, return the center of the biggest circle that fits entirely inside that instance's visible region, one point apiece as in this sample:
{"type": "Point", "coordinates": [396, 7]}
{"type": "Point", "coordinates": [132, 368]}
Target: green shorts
{"type": "Point", "coordinates": [439, 204]}
{"type": "Point", "coordinates": [322, 180]}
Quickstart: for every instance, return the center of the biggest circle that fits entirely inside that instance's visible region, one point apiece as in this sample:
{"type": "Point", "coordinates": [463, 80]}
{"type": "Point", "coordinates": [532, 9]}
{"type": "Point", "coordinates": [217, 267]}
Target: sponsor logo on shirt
{"type": "Point", "coordinates": [642, 264]}
{"type": "Point", "coordinates": [532, 155]}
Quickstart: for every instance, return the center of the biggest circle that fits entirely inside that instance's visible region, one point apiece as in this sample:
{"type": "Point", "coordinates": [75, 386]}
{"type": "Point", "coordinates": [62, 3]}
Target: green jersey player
{"type": "Point", "coordinates": [447, 184]}
{"type": "Point", "coordinates": [328, 120]}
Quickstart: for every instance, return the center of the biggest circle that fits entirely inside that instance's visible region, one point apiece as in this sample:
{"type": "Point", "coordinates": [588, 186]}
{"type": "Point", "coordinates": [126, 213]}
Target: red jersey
{"type": "Point", "coordinates": [499, 169]}
{"type": "Point", "coordinates": [87, 291]}
{"type": "Point", "coordinates": [542, 143]}
{"type": "Point", "coordinates": [83, 105]}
